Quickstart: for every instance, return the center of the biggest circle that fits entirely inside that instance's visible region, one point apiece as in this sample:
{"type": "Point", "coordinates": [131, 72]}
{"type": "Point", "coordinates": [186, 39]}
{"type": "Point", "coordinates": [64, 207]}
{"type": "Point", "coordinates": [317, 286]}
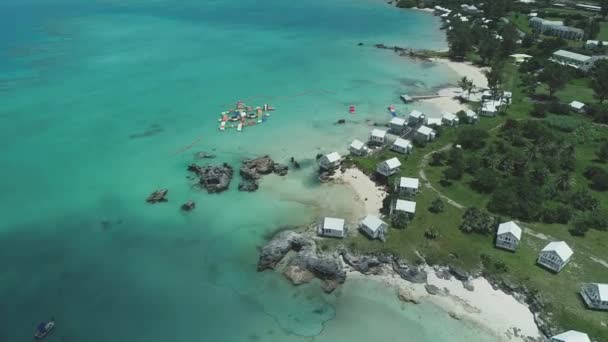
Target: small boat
{"type": "Point", "coordinates": [239, 127]}
{"type": "Point", "coordinates": [234, 118]}
{"type": "Point", "coordinates": [252, 115]}
{"type": "Point", "coordinates": [223, 126]}
{"type": "Point", "coordinates": [44, 328]}
{"type": "Point", "coordinates": [351, 109]}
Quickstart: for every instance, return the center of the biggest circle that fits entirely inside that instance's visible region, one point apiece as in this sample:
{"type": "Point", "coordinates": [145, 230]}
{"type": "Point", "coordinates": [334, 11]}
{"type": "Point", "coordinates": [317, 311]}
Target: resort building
{"type": "Point", "coordinates": [555, 28]}
{"type": "Point", "coordinates": [388, 167]}
{"type": "Point", "coordinates": [555, 255]}
{"type": "Point", "coordinates": [374, 227]}
{"type": "Point", "coordinates": [595, 295]}
{"type": "Point", "coordinates": [472, 117]}
{"type": "Point", "coordinates": [333, 227]}
{"type": "Point", "coordinates": [592, 44]}
{"type": "Point", "coordinates": [377, 136]}
{"type": "Point", "coordinates": [425, 134]}
{"type": "Point", "coordinates": [406, 186]}
{"type": "Point", "coordinates": [571, 336]}
{"type": "Point", "coordinates": [415, 118]}
{"type": "Point", "coordinates": [520, 57]}
{"type": "Point", "coordinates": [402, 146]}
{"type": "Point", "coordinates": [330, 161]}
{"type": "Point", "coordinates": [490, 108]}
{"type": "Point", "coordinates": [577, 106]}
{"type": "Point", "coordinates": [449, 119]}
{"type": "Point", "coordinates": [575, 60]}
{"type": "Point", "coordinates": [358, 148]}
{"type": "Point", "coordinates": [407, 207]}
{"type": "Point", "coordinates": [508, 236]}
{"type": "Point", "coordinates": [397, 124]}
{"type": "Point", "coordinates": [470, 9]}
{"type": "Point", "coordinates": [433, 121]}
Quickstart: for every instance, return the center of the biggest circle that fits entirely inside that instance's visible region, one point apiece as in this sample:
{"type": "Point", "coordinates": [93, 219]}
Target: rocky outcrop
{"type": "Point", "coordinates": [410, 273]}
{"type": "Point", "coordinates": [406, 296]}
{"type": "Point", "coordinates": [253, 169]}
{"type": "Point", "coordinates": [204, 155]}
{"type": "Point", "coordinates": [248, 185]}
{"type": "Point", "coordinates": [213, 178]}
{"type": "Point", "coordinates": [158, 196]}
{"type": "Point", "coordinates": [459, 273]}
{"type": "Point", "coordinates": [432, 289]}
{"type": "Point", "coordinates": [188, 206]}
{"type": "Point", "coordinates": [298, 275]}
{"type": "Point", "coordinates": [364, 264]}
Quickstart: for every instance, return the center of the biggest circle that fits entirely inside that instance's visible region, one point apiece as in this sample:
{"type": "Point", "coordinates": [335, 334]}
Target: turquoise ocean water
{"type": "Point", "coordinates": [97, 98]}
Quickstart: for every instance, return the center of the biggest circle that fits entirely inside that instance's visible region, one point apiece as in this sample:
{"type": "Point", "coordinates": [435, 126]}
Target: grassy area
{"type": "Point", "coordinates": [603, 35]}
{"type": "Point", "coordinates": [577, 89]}
{"type": "Point", "coordinates": [521, 21]}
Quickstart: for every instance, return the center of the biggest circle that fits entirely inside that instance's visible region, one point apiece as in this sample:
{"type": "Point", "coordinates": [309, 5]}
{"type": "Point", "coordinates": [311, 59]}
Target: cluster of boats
{"type": "Point", "coordinates": [243, 115]}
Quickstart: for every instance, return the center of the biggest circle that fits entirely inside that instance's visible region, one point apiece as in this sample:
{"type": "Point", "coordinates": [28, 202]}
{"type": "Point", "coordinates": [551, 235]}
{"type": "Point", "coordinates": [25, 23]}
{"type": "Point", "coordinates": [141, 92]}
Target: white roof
{"type": "Point", "coordinates": [571, 55]}
{"type": "Point", "coordinates": [333, 157]}
{"type": "Point", "coordinates": [602, 290]}
{"type": "Point", "coordinates": [333, 223]}
{"type": "Point", "coordinates": [403, 143]}
{"type": "Point", "coordinates": [398, 121]}
{"type": "Point", "coordinates": [393, 163]}
{"type": "Point", "coordinates": [571, 336]}
{"type": "Point", "coordinates": [561, 248]}
{"type": "Point", "coordinates": [407, 206]}
{"type": "Point", "coordinates": [449, 116]}
{"type": "Point", "coordinates": [434, 121]}
{"type": "Point", "coordinates": [378, 133]}
{"type": "Point", "coordinates": [416, 114]}
{"type": "Point", "coordinates": [372, 222]}
{"type": "Point", "coordinates": [509, 227]}
{"type": "Point", "coordinates": [520, 55]}
{"type": "Point", "coordinates": [357, 144]}
{"type": "Point", "coordinates": [577, 105]}
{"type": "Point", "coordinates": [409, 183]}
{"type": "Point", "coordinates": [425, 130]}
{"type": "Point", "coordinates": [471, 113]}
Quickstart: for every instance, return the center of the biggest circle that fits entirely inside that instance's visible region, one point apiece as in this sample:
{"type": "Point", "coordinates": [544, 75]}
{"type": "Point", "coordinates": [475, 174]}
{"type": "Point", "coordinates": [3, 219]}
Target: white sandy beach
{"type": "Point", "coordinates": [491, 309]}
{"type": "Point", "coordinates": [366, 190]}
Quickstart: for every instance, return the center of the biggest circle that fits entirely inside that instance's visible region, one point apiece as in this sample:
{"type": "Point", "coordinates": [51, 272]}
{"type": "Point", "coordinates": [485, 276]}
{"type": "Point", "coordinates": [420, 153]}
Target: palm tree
{"type": "Point", "coordinates": [464, 84]}
{"type": "Point", "coordinates": [563, 181]}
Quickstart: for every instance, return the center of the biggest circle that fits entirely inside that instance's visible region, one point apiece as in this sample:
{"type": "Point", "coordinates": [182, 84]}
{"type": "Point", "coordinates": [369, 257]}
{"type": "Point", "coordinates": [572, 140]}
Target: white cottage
{"type": "Point", "coordinates": [577, 106]}
{"type": "Point", "coordinates": [358, 148]}
{"type": "Point", "coordinates": [330, 161]}
{"type": "Point", "coordinates": [449, 119]}
{"type": "Point", "coordinates": [490, 108]}
{"type": "Point", "coordinates": [571, 336]}
{"type": "Point", "coordinates": [433, 121]}
{"type": "Point", "coordinates": [415, 118]}
{"type": "Point", "coordinates": [555, 255]}
{"type": "Point", "coordinates": [333, 227]}
{"type": "Point", "coordinates": [402, 146]}
{"type": "Point", "coordinates": [388, 167]}
{"type": "Point", "coordinates": [407, 186]}
{"type": "Point", "coordinates": [595, 295]}
{"type": "Point", "coordinates": [407, 207]}
{"type": "Point", "coordinates": [377, 136]}
{"type": "Point", "coordinates": [508, 236]}
{"type": "Point", "coordinates": [374, 227]}
{"type": "Point", "coordinates": [472, 117]}
{"type": "Point", "coordinates": [425, 134]}
{"type": "Point", "coordinates": [397, 124]}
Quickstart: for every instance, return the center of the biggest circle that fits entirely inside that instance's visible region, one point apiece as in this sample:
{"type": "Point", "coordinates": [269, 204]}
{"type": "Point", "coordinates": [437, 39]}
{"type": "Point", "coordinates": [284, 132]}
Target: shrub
{"type": "Point", "coordinates": [559, 108]}
{"type": "Point", "coordinates": [400, 220]}
{"type": "Point", "coordinates": [437, 158]}
{"type": "Point", "coordinates": [564, 123]}
{"type": "Point", "coordinates": [539, 110]}
{"type": "Point", "coordinates": [599, 181]}
{"type": "Point", "coordinates": [472, 138]}
{"type": "Point", "coordinates": [407, 3]}
{"type": "Point", "coordinates": [437, 206]}
{"type": "Point", "coordinates": [478, 221]}
{"type": "Point", "coordinates": [602, 152]}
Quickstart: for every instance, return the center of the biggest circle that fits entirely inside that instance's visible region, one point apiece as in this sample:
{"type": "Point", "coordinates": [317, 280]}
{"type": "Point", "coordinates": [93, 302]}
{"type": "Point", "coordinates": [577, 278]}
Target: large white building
{"type": "Point", "coordinates": [571, 336]}
{"type": "Point", "coordinates": [575, 60]}
{"type": "Point", "coordinates": [508, 236]}
{"type": "Point", "coordinates": [402, 146]}
{"type": "Point", "coordinates": [388, 167]}
{"type": "Point", "coordinates": [377, 136]}
{"type": "Point", "coordinates": [374, 227]}
{"type": "Point", "coordinates": [555, 255]}
{"type": "Point", "coordinates": [333, 227]}
{"type": "Point", "coordinates": [595, 295]}
{"type": "Point", "coordinates": [556, 28]}
{"type": "Point", "coordinates": [330, 161]}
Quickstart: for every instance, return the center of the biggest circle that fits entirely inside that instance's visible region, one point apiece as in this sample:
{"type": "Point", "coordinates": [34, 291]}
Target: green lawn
{"type": "Point", "coordinates": [521, 21]}
{"type": "Point", "coordinates": [603, 35]}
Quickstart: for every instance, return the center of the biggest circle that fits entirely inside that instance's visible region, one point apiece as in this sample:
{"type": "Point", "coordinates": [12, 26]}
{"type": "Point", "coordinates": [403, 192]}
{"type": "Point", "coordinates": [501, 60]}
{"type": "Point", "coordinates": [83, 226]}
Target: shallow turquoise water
{"type": "Point", "coordinates": [97, 97]}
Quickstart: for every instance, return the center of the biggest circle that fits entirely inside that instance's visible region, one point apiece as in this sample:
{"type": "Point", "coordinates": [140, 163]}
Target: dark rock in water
{"type": "Point", "coordinates": [204, 155]}
{"type": "Point", "coordinates": [188, 206]}
{"type": "Point", "coordinates": [341, 122]}
{"type": "Point", "coordinates": [248, 185]}
{"type": "Point", "coordinates": [319, 156]}
{"type": "Point", "coordinates": [158, 196]}
{"type": "Point", "coordinates": [280, 169]}
{"type": "Point", "coordinates": [459, 273]}
{"type": "Point", "coordinates": [213, 178]}
{"type": "Point", "coordinates": [276, 249]}
{"type": "Point", "coordinates": [292, 160]}
{"type": "Point", "coordinates": [360, 44]}
{"type": "Point", "coordinates": [253, 168]}
{"type": "Point", "coordinates": [410, 273]}
{"type": "Point", "coordinates": [296, 164]}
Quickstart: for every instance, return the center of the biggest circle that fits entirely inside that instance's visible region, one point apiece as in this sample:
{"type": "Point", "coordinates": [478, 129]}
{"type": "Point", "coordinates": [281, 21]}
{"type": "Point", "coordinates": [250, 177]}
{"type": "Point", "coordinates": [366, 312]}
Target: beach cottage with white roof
{"type": "Point", "coordinates": [402, 146]}
{"type": "Point", "coordinates": [374, 227]}
{"type": "Point", "coordinates": [571, 336]}
{"type": "Point", "coordinates": [490, 108]}
{"type": "Point", "coordinates": [577, 106]}
{"type": "Point", "coordinates": [333, 227]}
{"type": "Point", "coordinates": [508, 236]}
{"type": "Point", "coordinates": [330, 161]}
{"type": "Point", "coordinates": [472, 117]}
{"type": "Point", "coordinates": [407, 207]}
{"type": "Point", "coordinates": [397, 124]}
{"type": "Point", "coordinates": [449, 119]}
{"type": "Point", "coordinates": [377, 136]}
{"type": "Point", "coordinates": [407, 186]}
{"type": "Point", "coordinates": [595, 295]}
{"type": "Point", "coordinates": [555, 255]}
{"type": "Point", "coordinates": [388, 167]}
{"type": "Point", "coordinates": [425, 134]}
{"type": "Point", "coordinates": [415, 118]}
{"type": "Point", "coordinates": [433, 121]}
{"type": "Point", "coordinates": [358, 148]}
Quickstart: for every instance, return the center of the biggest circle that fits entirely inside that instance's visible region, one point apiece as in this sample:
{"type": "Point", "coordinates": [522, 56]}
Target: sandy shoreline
{"type": "Point", "coordinates": [370, 195]}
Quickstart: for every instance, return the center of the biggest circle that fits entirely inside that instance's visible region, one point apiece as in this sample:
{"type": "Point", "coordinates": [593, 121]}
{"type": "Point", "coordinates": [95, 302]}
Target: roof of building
{"type": "Point", "coordinates": [571, 336]}
{"type": "Point", "coordinates": [520, 55]}
{"type": "Point", "coordinates": [333, 157]}
{"type": "Point", "coordinates": [333, 223]}
{"type": "Point", "coordinates": [577, 105]}
{"type": "Point", "coordinates": [398, 121]}
{"type": "Point", "coordinates": [357, 144]}
{"type": "Point", "coordinates": [409, 183]}
{"type": "Point", "coordinates": [571, 55]}
{"type": "Point", "coordinates": [561, 248]}
{"type": "Point", "coordinates": [378, 133]}
{"type": "Point", "coordinates": [403, 143]}
{"type": "Point", "coordinates": [602, 290]}
{"type": "Point", "coordinates": [449, 116]}
{"type": "Point", "coordinates": [434, 121]}
{"type": "Point", "coordinates": [470, 113]}
{"type": "Point", "coordinates": [392, 163]}
{"type": "Point", "coordinates": [425, 130]}
{"type": "Point", "coordinates": [509, 227]}
{"type": "Point", "coordinates": [407, 206]}
{"type": "Point", "coordinates": [547, 22]}
{"type": "Point", "coordinates": [372, 222]}
{"type": "Point", "coordinates": [416, 114]}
